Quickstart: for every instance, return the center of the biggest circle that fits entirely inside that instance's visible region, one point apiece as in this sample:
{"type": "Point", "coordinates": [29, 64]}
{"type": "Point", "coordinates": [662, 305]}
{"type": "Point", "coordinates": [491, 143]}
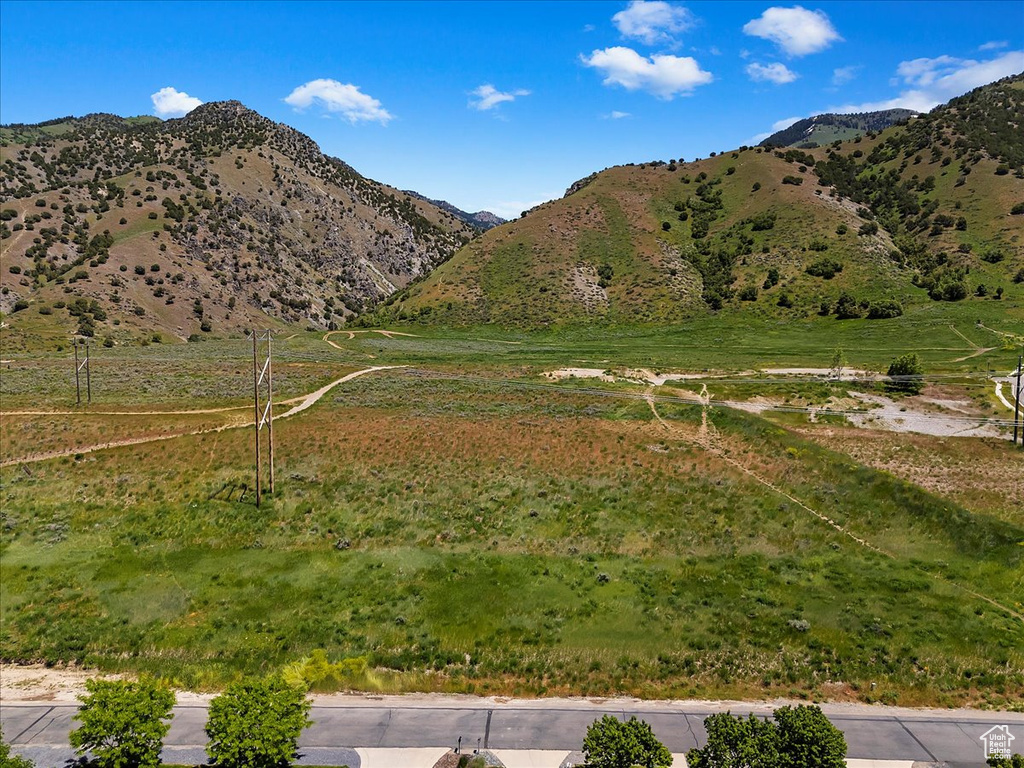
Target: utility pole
{"type": "Point", "coordinates": [78, 370]}
{"type": "Point", "coordinates": [262, 371]}
{"type": "Point", "coordinates": [1016, 401]}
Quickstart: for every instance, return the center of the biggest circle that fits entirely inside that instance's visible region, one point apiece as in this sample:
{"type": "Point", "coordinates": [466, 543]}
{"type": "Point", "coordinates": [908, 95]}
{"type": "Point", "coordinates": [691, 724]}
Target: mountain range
{"type": "Point", "coordinates": [928, 209]}
{"type": "Point", "coordinates": [223, 219]}
{"type": "Point", "coordinates": [208, 223]}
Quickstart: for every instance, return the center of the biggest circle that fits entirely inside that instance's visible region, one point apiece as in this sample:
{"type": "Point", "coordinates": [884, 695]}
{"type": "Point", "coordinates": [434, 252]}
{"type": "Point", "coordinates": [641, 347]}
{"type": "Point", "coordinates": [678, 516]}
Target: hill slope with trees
{"type": "Point", "coordinates": [208, 223]}
{"type": "Point", "coordinates": [931, 210]}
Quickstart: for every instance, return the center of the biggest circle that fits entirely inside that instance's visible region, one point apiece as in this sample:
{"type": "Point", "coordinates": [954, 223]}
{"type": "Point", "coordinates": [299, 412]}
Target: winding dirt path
{"type": "Point", "coordinates": [300, 404]}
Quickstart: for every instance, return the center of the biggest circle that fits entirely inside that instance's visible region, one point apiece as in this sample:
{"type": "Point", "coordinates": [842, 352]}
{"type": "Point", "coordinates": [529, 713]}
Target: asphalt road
{"type": "Point", "coordinates": [40, 730]}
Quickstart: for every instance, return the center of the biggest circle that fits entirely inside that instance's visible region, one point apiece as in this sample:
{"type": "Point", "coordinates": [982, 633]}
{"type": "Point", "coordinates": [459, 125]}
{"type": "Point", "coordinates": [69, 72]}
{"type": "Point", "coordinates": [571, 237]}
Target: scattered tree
{"type": "Point", "coordinates": [611, 743]}
{"type": "Point", "coordinates": [7, 760]}
{"type": "Point", "coordinates": [799, 737]}
{"type": "Point", "coordinates": [257, 724]}
{"type": "Point", "coordinates": [736, 743]}
{"type": "Point", "coordinates": [123, 723]}
{"type": "Point", "coordinates": [806, 738]}
{"type": "Point", "coordinates": [837, 365]}
{"type": "Point", "coordinates": [905, 375]}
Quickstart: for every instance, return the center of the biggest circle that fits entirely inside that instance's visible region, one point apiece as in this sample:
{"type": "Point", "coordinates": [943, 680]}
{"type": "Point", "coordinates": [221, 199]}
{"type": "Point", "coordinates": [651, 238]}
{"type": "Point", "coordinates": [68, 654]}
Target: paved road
{"type": "Point", "coordinates": [40, 731]}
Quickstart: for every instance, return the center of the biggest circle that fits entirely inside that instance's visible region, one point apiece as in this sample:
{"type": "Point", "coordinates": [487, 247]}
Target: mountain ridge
{"type": "Point", "coordinates": [246, 220]}
{"type": "Point", "coordinates": [920, 212]}
{"type": "Point", "coordinates": [828, 127]}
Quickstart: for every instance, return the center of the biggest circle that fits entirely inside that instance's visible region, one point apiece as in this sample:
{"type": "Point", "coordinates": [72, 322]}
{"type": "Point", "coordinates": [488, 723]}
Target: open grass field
{"type": "Point", "coordinates": [465, 525]}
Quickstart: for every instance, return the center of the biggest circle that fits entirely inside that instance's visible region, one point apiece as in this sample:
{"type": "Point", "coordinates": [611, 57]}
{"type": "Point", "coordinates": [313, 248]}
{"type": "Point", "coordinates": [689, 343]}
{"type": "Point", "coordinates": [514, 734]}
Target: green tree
{"type": "Point", "coordinates": [807, 738]}
{"type": "Point", "coordinates": [611, 743]}
{"type": "Point", "coordinates": [837, 364]}
{"type": "Point", "coordinates": [736, 743]}
{"type": "Point", "coordinates": [1017, 761]}
{"type": "Point", "coordinates": [800, 737]}
{"type": "Point", "coordinates": [7, 760]}
{"type": "Point", "coordinates": [257, 724]}
{"type": "Point", "coordinates": [905, 375]}
{"type": "Point", "coordinates": [123, 723]}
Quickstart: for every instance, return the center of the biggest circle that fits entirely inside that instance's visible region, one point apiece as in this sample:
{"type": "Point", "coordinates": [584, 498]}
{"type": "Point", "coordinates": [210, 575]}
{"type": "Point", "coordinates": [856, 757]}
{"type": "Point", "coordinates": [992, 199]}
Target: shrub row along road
{"type": "Point", "coordinates": [379, 732]}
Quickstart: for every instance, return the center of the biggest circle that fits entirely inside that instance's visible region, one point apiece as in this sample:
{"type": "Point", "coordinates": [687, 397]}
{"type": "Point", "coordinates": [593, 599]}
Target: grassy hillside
{"type": "Point", "coordinates": [480, 533]}
{"type": "Point", "coordinates": [206, 224]}
{"type": "Point", "coordinates": [917, 213]}
{"type": "Point", "coordinates": [824, 129]}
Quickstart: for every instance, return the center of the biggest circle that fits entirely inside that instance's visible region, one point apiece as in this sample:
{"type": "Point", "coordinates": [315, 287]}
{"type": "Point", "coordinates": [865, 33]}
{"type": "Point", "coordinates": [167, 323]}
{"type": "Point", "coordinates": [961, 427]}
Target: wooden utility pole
{"type": "Point", "coordinates": [1016, 401]}
{"type": "Point", "coordinates": [79, 365]}
{"type": "Point", "coordinates": [262, 371]}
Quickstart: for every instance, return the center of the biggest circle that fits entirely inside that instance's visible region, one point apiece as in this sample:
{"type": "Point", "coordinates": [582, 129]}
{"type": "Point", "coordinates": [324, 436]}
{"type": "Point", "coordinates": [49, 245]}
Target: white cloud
{"type": "Point", "coordinates": [843, 75]}
{"type": "Point", "coordinates": [796, 30]}
{"type": "Point", "coordinates": [662, 75]}
{"type": "Point", "coordinates": [170, 102]}
{"type": "Point", "coordinates": [935, 81]}
{"type": "Point", "coordinates": [781, 125]}
{"type": "Point", "coordinates": [488, 97]}
{"type": "Point", "coordinates": [777, 126]}
{"type": "Point", "coordinates": [653, 21]}
{"type": "Point", "coordinates": [774, 73]}
{"type": "Point", "coordinates": [993, 45]}
{"type": "Point", "coordinates": [354, 105]}
{"type": "Point", "coordinates": [616, 115]}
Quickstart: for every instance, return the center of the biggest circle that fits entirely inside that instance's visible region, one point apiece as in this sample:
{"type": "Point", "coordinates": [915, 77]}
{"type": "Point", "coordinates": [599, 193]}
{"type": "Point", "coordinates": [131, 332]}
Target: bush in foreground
{"type": "Point", "coordinates": [123, 723]}
{"type": "Point", "coordinates": [799, 737]}
{"type": "Point", "coordinates": [257, 724]}
{"type": "Point", "coordinates": [7, 760]}
{"type": "Point", "coordinates": [611, 743]}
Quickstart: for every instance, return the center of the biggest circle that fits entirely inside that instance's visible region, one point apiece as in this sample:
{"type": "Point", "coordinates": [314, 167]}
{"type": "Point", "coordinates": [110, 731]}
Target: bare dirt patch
{"type": "Point", "coordinates": [980, 474]}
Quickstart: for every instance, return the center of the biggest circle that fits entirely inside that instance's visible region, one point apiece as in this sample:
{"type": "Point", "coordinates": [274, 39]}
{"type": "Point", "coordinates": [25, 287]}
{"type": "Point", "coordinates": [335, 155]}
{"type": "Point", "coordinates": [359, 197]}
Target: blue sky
{"type": "Point", "coordinates": [501, 105]}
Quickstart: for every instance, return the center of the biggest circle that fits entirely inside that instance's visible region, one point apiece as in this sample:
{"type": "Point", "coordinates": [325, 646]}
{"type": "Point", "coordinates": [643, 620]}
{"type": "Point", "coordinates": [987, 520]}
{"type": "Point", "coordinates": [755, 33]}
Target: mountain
{"type": "Point", "coordinates": [209, 223]}
{"type": "Point", "coordinates": [821, 130]}
{"type": "Point", "coordinates": [924, 211]}
{"type": "Point", "coordinates": [482, 220]}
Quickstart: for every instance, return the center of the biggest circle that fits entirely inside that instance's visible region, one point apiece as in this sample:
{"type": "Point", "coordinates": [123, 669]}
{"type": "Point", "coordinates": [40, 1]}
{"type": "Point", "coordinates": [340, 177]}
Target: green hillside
{"type": "Point", "coordinates": [824, 129]}
{"type": "Point", "coordinates": [917, 214]}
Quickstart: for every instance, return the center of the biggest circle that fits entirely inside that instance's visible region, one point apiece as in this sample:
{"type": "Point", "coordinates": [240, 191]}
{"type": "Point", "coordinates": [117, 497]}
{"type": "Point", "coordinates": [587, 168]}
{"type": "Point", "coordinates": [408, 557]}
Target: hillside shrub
{"type": "Point", "coordinates": [748, 293]}
{"type": "Point", "coordinates": [257, 724]}
{"type": "Point", "coordinates": [1017, 210]}
{"type": "Point", "coordinates": [123, 723]}
{"type": "Point", "coordinates": [825, 268]}
{"type": "Point", "coordinates": [796, 181]}
{"type": "Point", "coordinates": [905, 375]}
{"type": "Point", "coordinates": [847, 307]}
{"type": "Point", "coordinates": [883, 310]}
{"type": "Point", "coordinates": [763, 221]}
{"type": "Point", "coordinates": [868, 228]}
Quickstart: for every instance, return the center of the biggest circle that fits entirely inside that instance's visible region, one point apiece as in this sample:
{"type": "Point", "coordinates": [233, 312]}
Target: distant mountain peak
{"type": "Point", "coordinates": [482, 220]}
{"type": "Point", "coordinates": [830, 126]}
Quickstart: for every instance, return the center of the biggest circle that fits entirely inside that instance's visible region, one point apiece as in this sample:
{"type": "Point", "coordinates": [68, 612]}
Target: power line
{"type": "Point", "coordinates": [263, 372]}
{"type": "Point", "coordinates": [737, 404]}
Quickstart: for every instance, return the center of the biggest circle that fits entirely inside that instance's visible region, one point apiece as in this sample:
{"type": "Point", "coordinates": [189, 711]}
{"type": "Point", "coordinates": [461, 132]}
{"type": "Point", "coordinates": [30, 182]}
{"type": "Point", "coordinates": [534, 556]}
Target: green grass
{"type": "Point", "coordinates": [512, 541]}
